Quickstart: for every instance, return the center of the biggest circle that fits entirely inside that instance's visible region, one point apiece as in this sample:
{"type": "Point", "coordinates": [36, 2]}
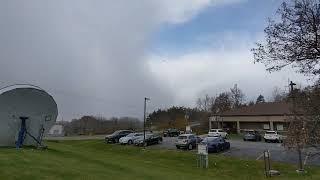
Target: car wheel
{"type": "Point", "coordinates": [130, 142]}
{"type": "Point", "coordinates": [244, 139]}
{"type": "Point", "coordinates": [178, 147]}
{"type": "Point", "coordinates": [190, 147]}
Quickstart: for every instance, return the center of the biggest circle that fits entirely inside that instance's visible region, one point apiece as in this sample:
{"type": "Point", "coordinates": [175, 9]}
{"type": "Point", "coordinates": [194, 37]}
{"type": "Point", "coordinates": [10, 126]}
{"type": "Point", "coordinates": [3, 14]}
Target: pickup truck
{"type": "Point", "coordinates": [273, 136]}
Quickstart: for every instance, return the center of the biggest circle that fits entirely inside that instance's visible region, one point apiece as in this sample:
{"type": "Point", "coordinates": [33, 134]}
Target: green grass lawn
{"type": "Point", "coordinates": [93, 159]}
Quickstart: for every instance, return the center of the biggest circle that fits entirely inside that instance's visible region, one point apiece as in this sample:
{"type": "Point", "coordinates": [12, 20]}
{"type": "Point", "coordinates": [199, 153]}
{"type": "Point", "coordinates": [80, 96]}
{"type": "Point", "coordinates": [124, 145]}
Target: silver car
{"type": "Point", "coordinates": [187, 141]}
{"type": "Point", "coordinates": [130, 138]}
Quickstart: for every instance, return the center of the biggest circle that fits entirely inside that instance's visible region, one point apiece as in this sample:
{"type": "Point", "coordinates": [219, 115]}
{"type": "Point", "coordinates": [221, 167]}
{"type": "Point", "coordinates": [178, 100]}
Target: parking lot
{"type": "Point", "coordinates": [239, 148]}
{"type": "Point", "coordinates": [252, 150]}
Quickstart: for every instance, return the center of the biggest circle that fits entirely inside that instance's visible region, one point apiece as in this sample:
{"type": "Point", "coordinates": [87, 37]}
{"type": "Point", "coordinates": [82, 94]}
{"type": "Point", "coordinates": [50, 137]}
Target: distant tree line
{"type": "Point", "coordinates": [87, 125]}
{"type": "Point", "coordinates": [234, 99]}
{"type": "Point", "coordinates": [178, 117]}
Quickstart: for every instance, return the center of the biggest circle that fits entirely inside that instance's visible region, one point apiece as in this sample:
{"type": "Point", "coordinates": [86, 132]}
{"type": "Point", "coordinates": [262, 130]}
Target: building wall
{"type": "Point", "coordinates": [260, 123]}
{"type": "Point", "coordinates": [56, 130]}
{"type": "Point", "coordinates": [254, 118]}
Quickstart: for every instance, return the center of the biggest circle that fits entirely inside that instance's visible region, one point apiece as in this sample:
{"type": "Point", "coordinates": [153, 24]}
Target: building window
{"type": "Point", "coordinates": [48, 118]}
{"type": "Point", "coordinates": [266, 126]}
{"type": "Point", "coordinates": [280, 127]}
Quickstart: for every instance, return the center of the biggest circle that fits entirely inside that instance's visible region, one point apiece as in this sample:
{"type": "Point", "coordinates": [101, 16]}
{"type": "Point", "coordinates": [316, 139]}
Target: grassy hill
{"type": "Point", "coordinates": [93, 159]}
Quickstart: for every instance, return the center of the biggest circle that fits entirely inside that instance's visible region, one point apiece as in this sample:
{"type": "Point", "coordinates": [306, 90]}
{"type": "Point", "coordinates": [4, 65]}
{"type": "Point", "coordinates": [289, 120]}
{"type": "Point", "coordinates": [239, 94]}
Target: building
{"type": "Point", "coordinates": [56, 130]}
{"type": "Point", "coordinates": [261, 117]}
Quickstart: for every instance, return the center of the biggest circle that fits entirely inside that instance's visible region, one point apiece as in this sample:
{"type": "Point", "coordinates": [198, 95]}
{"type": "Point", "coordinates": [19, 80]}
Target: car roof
{"type": "Point", "coordinates": [212, 138]}
{"type": "Point", "coordinates": [186, 135]}
{"type": "Point", "coordinates": [271, 131]}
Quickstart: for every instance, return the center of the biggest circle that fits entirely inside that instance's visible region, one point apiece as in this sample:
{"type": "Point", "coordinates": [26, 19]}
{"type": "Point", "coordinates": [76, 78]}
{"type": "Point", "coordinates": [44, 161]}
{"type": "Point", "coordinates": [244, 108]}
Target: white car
{"type": "Point", "coordinates": [217, 133]}
{"type": "Point", "coordinates": [130, 138]}
{"type": "Point", "coordinates": [272, 136]}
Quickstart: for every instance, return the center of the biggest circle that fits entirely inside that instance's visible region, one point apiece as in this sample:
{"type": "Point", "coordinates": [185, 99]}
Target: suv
{"type": "Point", "coordinates": [217, 133]}
{"type": "Point", "coordinates": [187, 141]}
{"type": "Point", "coordinates": [272, 136]}
{"type": "Point", "coordinates": [114, 137]}
{"type": "Point", "coordinates": [251, 135]}
{"type": "Point", "coordinates": [171, 133]}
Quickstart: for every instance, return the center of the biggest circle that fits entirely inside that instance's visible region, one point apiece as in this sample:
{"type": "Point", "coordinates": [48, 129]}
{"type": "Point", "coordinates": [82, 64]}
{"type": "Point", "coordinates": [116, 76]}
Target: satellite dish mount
{"type": "Point", "coordinates": [23, 133]}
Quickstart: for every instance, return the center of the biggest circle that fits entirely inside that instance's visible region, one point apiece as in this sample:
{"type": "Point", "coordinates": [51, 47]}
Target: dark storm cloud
{"type": "Point", "coordinates": [88, 54]}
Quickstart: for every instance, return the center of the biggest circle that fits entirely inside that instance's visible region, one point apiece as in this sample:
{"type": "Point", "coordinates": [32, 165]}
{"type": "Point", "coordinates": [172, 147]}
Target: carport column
{"type": "Point", "coordinates": [210, 119]}
{"type": "Point", "coordinates": [238, 127]}
{"type": "Point", "coordinates": [271, 125]}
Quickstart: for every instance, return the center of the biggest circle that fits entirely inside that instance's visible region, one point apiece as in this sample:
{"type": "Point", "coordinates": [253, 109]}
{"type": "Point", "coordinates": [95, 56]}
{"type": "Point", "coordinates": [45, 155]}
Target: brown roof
{"type": "Point", "coordinates": [262, 109]}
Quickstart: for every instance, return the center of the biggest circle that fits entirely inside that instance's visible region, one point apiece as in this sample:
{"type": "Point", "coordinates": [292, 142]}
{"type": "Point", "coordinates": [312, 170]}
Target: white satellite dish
{"type": "Point", "coordinates": [26, 113]}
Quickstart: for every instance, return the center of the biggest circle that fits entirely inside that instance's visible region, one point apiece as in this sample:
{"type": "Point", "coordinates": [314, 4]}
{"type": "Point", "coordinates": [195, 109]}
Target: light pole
{"type": "Point", "coordinates": [144, 119]}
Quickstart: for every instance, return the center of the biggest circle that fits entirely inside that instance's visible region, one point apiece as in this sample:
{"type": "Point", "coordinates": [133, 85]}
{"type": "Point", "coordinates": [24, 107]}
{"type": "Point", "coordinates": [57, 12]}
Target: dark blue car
{"type": "Point", "coordinates": [216, 144]}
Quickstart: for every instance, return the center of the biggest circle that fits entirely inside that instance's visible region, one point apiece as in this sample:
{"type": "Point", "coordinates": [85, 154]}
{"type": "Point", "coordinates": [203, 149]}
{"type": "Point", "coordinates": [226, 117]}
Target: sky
{"type": "Point", "coordinates": [102, 57]}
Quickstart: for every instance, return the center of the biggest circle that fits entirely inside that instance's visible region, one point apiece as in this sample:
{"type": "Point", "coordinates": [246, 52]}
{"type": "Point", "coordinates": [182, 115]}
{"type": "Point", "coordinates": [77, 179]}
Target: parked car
{"type": "Point", "coordinates": [187, 141]}
{"type": "Point", "coordinates": [150, 139]}
{"type": "Point", "coordinates": [272, 136]}
{"type": "Point", "coordinates": [252, 135]}
{"type": "Point", "coordinates": [218, 133]}
{"type": "Point", "coordinates": [130, 138]}
{"type": "Point", "coordinates": [114, 137]}
{"type": "Point", "coordinates": [171, 133]}
{"type": "Point", "coordinates": [216, 144]}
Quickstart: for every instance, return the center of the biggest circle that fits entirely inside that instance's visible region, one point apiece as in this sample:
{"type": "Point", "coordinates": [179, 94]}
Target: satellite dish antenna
{"type": "Point", "coordinates": [27, 112]}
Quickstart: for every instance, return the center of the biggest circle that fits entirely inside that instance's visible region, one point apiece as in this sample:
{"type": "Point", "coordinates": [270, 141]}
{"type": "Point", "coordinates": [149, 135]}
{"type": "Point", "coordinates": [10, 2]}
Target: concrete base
{"type": "Point", "coordinates": [301, 171]}
{"type": "Point", "coordinates": [274, 173]}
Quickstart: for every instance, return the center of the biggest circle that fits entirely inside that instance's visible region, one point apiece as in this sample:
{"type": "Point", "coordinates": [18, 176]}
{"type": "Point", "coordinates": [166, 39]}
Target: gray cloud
{"type": "Point", "coordinates": [88, 54]}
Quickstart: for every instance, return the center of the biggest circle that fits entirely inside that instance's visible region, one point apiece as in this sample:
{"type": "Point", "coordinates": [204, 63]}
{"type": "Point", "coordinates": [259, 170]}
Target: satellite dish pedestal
{"type": "Point", "coordinates": [22, 132]}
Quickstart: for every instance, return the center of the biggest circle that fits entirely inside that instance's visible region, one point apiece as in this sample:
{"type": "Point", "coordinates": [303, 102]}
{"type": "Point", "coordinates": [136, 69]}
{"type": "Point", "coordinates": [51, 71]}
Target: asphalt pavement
{"type": "Point", "coordinates": [253, 150]}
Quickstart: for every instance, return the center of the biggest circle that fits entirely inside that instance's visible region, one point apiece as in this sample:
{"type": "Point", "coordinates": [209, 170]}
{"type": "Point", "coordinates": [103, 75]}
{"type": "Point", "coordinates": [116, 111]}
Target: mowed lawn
{"type": "Point", "coordinates": [92, 159]}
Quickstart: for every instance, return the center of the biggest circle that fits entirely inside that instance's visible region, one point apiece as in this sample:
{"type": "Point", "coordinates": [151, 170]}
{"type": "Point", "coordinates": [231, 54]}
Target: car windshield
{"type": "Point", "coordinates": [250, 132]}
{"type": "Point", "coordinates": [210, 139]}
{"type": "Point", "coordinates": [116, 132]}
{"type": "Point", "coordinates": [183, 137]}
{"type": "Point", "coordinates": [270, 132]}
{"type": "Point", "coordinates": [131, 134]}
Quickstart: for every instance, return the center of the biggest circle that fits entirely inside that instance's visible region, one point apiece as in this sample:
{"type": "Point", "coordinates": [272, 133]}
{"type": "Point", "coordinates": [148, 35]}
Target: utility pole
{"type": "Point", "coordinates": [144, 118]}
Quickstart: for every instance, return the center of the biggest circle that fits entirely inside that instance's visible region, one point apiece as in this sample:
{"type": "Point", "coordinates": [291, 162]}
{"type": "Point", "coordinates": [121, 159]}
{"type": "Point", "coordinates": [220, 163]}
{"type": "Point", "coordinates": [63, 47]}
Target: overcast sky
{"type": "Point", "coordinates": [102, 57]}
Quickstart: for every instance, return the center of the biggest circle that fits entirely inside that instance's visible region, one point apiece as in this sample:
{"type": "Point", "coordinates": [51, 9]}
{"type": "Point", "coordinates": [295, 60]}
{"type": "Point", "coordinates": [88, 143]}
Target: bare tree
{"type": "Point", "coordinates": [278, 95]}
{"type": "Point", "coordinates": [206, 103]}
{"type": "Point", "coordinates": [237, 96]}
{"type": "Point", "coordinates": [304, 125]}
{"type": "Point", "coordinates": [294, 39]}
{"type": "Point", "coordinates": [222, 103]}
{"type": "Point", "coordinates": [251, 103]}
